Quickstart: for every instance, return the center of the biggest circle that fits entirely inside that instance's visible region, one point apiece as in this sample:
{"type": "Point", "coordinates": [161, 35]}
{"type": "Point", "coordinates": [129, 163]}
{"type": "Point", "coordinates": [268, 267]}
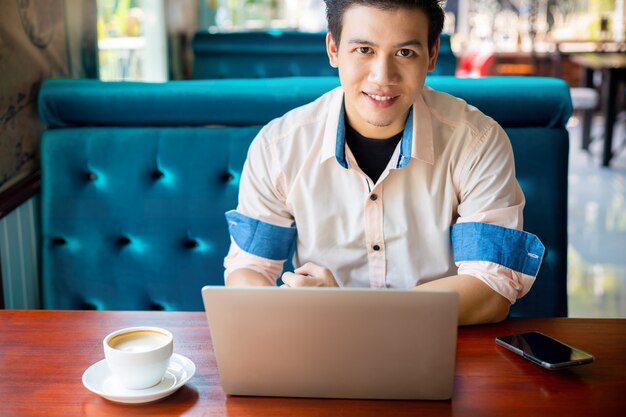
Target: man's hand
{"type": "Point", "coordinates": [309, 275]}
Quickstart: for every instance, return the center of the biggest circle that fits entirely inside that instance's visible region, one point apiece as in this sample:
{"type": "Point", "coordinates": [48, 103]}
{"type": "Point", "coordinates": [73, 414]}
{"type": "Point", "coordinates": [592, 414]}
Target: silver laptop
{"type": "Point", "coordinates": [334, 343]}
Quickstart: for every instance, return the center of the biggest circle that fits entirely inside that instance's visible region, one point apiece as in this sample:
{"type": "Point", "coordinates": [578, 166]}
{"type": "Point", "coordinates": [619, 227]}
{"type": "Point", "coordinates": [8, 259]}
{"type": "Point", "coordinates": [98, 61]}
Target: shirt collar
{"type": "Point", "coordinates": [333, 120]}
{"type": "Point", "coordinates": [334, 144]}
{"type": "Point", "coordinates": [424, 148]}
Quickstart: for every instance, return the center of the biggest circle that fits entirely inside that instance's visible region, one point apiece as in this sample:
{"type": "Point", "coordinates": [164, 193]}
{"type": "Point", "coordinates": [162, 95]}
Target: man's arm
{"type": "Point", "coordinates": [308, 275]}
{"type": "Point", "coordinates": [478, 303]}
{"type": "Point", "coordinates": [245, 277]}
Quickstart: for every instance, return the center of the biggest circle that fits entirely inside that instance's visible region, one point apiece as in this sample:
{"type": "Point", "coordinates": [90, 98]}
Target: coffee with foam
{"type": "Point", "coordinates": [138, 341]}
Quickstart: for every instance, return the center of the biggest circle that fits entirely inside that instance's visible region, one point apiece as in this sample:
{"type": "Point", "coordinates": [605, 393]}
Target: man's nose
{"type": "Point", "coordinates": [383, 71]}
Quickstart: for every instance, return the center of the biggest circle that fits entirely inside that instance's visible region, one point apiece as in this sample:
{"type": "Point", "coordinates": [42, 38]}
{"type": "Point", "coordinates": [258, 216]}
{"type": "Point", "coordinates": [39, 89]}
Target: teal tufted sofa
{"type": "Point", "coordinates": [136, 179]}
{"type": "Point", "coordinates": [276, 53]}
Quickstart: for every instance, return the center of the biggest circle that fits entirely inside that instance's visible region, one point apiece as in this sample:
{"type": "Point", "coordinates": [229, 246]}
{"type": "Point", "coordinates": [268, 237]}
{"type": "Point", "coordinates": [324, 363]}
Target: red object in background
{"type": "Point", "coordinates": [476, 64]}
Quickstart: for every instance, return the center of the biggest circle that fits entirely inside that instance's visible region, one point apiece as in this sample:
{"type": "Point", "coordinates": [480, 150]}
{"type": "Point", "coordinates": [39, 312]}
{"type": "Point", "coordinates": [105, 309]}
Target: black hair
{"type": "Point", "coordinates": [433, 9]}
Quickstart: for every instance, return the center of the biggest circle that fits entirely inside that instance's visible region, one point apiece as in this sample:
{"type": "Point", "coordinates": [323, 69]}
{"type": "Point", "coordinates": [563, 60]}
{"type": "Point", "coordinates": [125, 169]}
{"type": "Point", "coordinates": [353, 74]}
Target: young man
{"type": "Point", "coordinates": [384, 182]}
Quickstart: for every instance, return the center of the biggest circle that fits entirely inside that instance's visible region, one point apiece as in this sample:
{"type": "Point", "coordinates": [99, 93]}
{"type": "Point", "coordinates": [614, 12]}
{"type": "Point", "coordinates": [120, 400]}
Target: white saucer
{"type": "Point", "coordinates": [98, 379]}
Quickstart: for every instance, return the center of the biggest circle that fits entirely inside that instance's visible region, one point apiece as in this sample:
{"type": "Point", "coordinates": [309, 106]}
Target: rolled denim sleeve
{"type": "Point", "coordinates": [507, 260]}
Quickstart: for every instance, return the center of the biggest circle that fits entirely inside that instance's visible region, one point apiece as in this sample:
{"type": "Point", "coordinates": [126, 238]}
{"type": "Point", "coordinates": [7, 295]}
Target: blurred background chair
{"type": "Point", "coordinates": [446, 61]}
{"type": "Point", "coordinates": [260, 54]}
{"type": "Point", "coordinates": [585, 101]}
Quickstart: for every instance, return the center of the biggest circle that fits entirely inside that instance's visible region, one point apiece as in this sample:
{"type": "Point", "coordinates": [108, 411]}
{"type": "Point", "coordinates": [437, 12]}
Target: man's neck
{"type": "Point", "coordinates": [371, 131]}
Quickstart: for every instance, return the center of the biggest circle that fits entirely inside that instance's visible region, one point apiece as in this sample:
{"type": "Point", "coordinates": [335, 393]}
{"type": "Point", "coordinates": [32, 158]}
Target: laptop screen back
{"type": "Point", "coordinates": [334, 343]}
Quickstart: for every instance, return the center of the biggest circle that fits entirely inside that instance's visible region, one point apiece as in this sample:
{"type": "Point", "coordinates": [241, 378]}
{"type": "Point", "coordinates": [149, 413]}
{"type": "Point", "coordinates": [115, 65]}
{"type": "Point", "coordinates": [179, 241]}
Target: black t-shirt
{"type": "Point", "coordinates": [372, 155]}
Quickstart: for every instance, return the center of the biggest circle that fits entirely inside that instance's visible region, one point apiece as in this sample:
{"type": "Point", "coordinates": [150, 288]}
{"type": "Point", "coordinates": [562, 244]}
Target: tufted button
{"type": "Point", "coordinates": [157, 175]}
{"type": "Point", "coordinates": [227, 177]}
{"type": "Point", "coordinates": [59, 241]}
{"type": "Point", "coordinates": [123, 241]}
{"type": "Point", "coordinates": [91, 176]}
{"type": "Point", "coordinates": [156, 307]}
{"type": "Point", "coordinates": [191, 244]}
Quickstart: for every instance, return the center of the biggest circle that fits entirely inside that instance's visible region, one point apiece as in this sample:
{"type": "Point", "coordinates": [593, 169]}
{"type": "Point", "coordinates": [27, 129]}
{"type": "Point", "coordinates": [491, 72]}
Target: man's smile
{"type": "Point", "coordinates": [381, 100]}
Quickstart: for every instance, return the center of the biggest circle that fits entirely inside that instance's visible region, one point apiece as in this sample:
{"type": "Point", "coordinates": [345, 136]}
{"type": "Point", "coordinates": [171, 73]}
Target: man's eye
{"type": "Point", "coordinates": [405, 53]}
{"type": "Point", "coordinates": [364, 49]}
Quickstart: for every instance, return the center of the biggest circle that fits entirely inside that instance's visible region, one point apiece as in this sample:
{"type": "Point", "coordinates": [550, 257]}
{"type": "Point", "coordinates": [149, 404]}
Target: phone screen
{"type": "Point", "coordinates": [544, 350]}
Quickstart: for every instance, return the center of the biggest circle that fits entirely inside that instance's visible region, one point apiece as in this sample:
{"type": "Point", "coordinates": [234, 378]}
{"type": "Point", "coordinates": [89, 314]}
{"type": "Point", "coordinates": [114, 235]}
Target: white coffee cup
{"type": "Point", "coordinates": [138, 356]}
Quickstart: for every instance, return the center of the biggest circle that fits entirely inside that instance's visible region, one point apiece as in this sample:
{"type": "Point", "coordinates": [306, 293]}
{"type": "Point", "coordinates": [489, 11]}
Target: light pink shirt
{"type": "Point", "coordinates": [461, 169]}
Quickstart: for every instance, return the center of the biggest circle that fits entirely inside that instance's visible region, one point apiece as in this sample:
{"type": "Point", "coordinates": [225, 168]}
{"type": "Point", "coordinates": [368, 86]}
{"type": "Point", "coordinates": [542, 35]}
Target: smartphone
{"type": "Point", "coordinates": [544, 350]}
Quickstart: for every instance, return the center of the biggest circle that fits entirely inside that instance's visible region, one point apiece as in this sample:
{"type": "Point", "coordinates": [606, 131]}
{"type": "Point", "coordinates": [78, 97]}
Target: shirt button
{"type": "Point", "coordinates": [374, 197]}
{"type": "Point", "coordinates": [376, 247]}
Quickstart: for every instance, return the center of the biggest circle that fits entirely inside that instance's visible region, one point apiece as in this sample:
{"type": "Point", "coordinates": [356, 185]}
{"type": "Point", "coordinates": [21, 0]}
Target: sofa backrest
{"type": "Point", "coordinates": [136, 179]}
{"type": "Point", "coordinates": [276, 53]}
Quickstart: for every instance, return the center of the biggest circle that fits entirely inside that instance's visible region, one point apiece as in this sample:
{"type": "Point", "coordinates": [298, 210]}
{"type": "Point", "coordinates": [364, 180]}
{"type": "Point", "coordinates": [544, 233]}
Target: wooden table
{"type": "Point", "coordinates": [613, 67]}
{"type": "Point", "coordinates": [43, 355]}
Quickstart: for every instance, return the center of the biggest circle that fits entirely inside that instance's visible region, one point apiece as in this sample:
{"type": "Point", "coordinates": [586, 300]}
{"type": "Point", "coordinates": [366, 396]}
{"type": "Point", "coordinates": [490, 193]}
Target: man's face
{"type": "Point", "coordinates": [383, 59]}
